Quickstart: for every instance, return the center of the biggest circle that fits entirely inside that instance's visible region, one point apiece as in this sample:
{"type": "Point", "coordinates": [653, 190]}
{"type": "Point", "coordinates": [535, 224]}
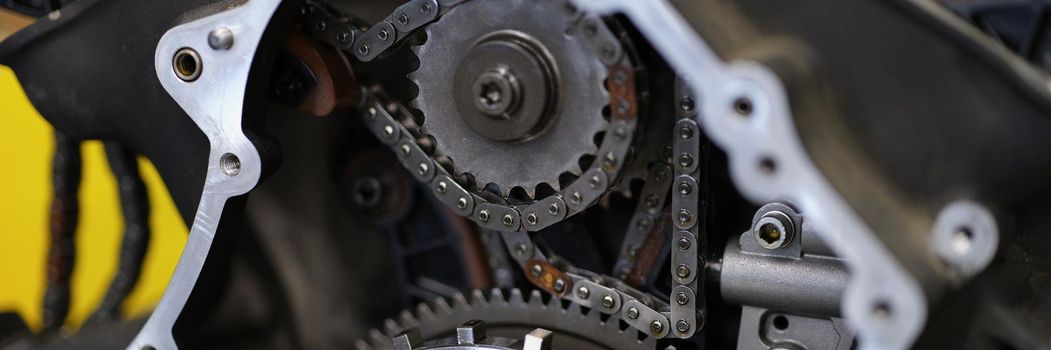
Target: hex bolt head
{"type": "Point", "coordinates": [383, 35]}
{"type": "Point", "coordinates": [221, 38]}
{"type": "Point", "coordinates": [363, 49]}
{"type": "Point", "coordinates": [656, 327]}
{"type": "Point", "coordinates": [483, 215]}
{"type": "Point", "coordinates": [536, 270]}
{"type": "Point", "coordinates": [633, 313]}
{"type": "Point", "coordinates": [559, 285]}
{"type": "Point", "coordinates": [583, 292]}
{"type": "Point", "coordinates": [607, 301]}
{"type": "Point", "coordinates": [682, 298]}
{"type": "Point", "coordinates": [682, 326]}
{"type": "Point", "coordinates": [682, 271]}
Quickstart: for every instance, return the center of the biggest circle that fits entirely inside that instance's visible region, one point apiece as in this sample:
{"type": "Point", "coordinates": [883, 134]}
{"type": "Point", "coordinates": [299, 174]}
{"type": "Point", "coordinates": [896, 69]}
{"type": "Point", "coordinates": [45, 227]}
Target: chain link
{"type": "Point", "coordinates": [688, 243]}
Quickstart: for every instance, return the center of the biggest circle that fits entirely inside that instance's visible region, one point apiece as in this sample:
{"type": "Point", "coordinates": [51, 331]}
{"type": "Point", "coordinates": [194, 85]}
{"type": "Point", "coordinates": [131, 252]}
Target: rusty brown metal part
{"type": "Point", "coordinates": [621, 87]}
{"type": "Point", "coordinates": [650, 250]}
{"type": "Point", "coordinates": [547, 278]}
{"type": "Point", "coordinates": [11, 22]}
{"type": "Point", "coordinates": [336, 85]}
{"type": "Point", "coordinates": [475, 256]}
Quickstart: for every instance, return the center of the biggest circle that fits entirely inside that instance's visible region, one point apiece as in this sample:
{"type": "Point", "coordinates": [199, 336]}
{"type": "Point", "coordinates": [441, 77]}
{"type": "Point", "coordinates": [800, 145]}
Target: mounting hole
{"type": "Point", "coordinates": [767, 165]}
{"type": "Point", "coordinates": [780, 322]}
{"type": "Point", "coordinates": [743, 107]}
{"type": "Point", "coordinates": [962, 240]}
{"type": "Point", "coordinates": [230, 164]}
{"type": "Point", "coordinates": [881, 310]}
{"type": "Point", "coordinates": [187, 64]}
{"type": "Point", "coordinates": [148, 347]}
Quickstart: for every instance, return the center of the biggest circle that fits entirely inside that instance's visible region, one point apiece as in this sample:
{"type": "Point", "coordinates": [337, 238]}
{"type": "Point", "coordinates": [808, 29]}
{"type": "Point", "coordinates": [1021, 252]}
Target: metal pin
{"type": "Point", "coordinates": [633, 313]}
{"type": "Point", "coordinates": [536, 270]}
{"type": "Point", "coordinates": [607, 301]}
{"type": "Point", "coordinates": [461, 203]}
{"type": "Point", "coordinates": [483, 215]}
{"type": "Point", "coordinates": [583, 292]}
{"type": "Point", "coordinates": [509, 220]}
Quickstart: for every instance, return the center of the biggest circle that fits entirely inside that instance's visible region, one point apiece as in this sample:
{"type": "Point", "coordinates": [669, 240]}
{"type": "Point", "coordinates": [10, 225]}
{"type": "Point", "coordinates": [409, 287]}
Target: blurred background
{"type": "Point", "coordinates": [26, 147]}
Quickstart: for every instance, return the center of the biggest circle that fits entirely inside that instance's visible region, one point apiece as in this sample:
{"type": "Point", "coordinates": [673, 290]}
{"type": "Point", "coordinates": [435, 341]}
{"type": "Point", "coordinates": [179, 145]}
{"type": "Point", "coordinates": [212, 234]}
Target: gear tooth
{"type": "Point", "coordinates": [424, 312]}
{"type": "Point", "coordinates": [497, 295]}
{"type": "Point", "coordinates": [574, 309]}
{"type": "Point", "coordinates": [535, 298]}
{"type": "Point", "coordinates": [516, 297]}
{"type": "Point", "coordinates": [391, 328]}
{"type": "Point", "coordinates": [443, 306]}
{"type": "Point", "coordinates": [478, 298]}
{"type": "Point", "coordinates": [531, 190]}
{"type": "Point", "coordinates": [555, 302]}
{"type": "Point", "coordinates": [378, 338]}
{"type": "Point", "coordinates": [460, 301]}
{"type": "Point", "coordinates": [408, 319]}
{"type": "Point", "coordinates": [575, 170]}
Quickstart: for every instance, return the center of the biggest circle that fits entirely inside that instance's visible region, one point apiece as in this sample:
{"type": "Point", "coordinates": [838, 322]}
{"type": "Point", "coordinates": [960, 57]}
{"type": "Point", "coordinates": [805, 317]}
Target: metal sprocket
{"type": "Point", "coordinates": [581, 96]}
{"type": "Point", "coordinates": [574, 328]}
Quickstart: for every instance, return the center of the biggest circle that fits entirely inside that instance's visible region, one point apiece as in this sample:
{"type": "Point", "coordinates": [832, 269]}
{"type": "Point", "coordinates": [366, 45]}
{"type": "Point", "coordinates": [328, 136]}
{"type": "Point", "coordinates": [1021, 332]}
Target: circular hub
{"type": "Point", "coordinates": [510, 94]}
{"type": "Point", "coordinates": [506, 86]}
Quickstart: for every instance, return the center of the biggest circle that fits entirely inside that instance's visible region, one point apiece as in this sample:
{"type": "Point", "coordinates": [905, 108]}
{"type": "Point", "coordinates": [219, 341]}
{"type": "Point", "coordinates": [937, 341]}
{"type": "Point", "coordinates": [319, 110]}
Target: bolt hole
{"type": "Point", "coordinates": [882, 310]}
{"type": "Point", "coordinates": [780, 322]}
{"type": "Point", "coordinates": [743, 106]}
{"type": "Point", "coordinates": [961, 240]}
{"type": "Point", "coordinates": [187, 64]}
{"type": "Point", "coordinates": [767, 165]}
{"type": "Point", "coordinates": [230, 164]}
{"type": "Point", "coordinates": [770, 233]}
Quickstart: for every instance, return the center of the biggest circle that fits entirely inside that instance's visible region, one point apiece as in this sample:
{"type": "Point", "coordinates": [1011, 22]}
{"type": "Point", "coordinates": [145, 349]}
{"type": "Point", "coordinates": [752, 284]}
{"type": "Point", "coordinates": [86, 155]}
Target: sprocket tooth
{"type": "Point", "coordinates": [442, 306]}
{"type": "Point", "coordinates": [478, 298]}
{"type": "Point", "coordinates": [516, 297]}
{"type": "Point", "coordinates": [460, 301]}
{"type": "Point", "coordinates": [497, 295]}
{"type": "Point", "coordinates": [531, 189]}
{"type": "Point", "coordinates": [535, 298]}
{"type": "Point", "coordinates": [424, 312]}
{"type": "Point", "coordinates": [361, 344]}
{"type": "Point", "coordinates": [575, 170]}
{"type": "Point", "coordinates": [555, 302]}
{"type": "Point", "coordinates": [391, 328]}
{"type": "Point", "coordinates": [408, 320]}
{"type": "Point", "coordinates": [378, 338]}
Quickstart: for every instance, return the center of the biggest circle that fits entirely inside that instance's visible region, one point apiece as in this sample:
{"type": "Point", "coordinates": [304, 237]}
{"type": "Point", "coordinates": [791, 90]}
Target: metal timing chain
{"type": "Point", "coordinates": [393, 124]}
{"type": "Point", "coordinates": [688, 243]}
{"type": "Point", "coordinates": [394, 127]}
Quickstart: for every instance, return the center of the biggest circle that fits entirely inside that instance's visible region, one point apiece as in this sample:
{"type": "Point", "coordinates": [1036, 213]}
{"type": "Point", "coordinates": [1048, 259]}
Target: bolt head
{"type": "Point", "coordinates": [575, 198]}
{"type": "Point", "coordinates": [405, 150]}
{"type": "Point", "coordinates": [442, 186]}
{"type": "Point", "coordinates": [388, 130]}
{"type": "Point", "coordinates": [221, 38]}
{"type": "Point", "coordinates": [559, 285]}
{"type": "Point", "coordinates": [403, 19]}
{"type": "Point", "coordinates": [483, 215]}
{"type": "Point", "coordinates": [363, 49]}
{"type": "Point", "coordinates": [461, 203]}
{"type": "Point", "coordinates": [686, 132]}
{"type": "Point", "coordinates": [595, 181]}
{"type": "Point", "coordinates": [536, 270]}
{"type": "Point", "coordinates": [686, 104]}
{"type": "Point", "coordinates": [423, 168]}
{"type": "Point", "coordinates": [685, 188]}
{"type": "Point", "coordinates": [651, 201]}
{"type": "Point", "coordinates": [520, 248]}
{"type": "Point", "coordinates": [685, 160]}
{"type": "Point", "coordinates": [531, 219]}
{"type": "Point", "coordinates": [583, 292]}
{"type": "Point", "coordinates": [508, 220]}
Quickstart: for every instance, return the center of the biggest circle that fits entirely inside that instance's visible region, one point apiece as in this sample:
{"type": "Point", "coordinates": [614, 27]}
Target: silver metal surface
{"type": "Point", "coordinates": [883, 301]}
{"type": "Point", "coordinates": [966, 236]}
{"type": "Point", "coordinates": [766, 329]}
{"type": "Point", "coordinates": [811, 285]}
{"type": "Point", "coordinates": [215, 102]}
{"type": "Point", "coordinates": [547, 155]}
{"type": "Point", "coordinates": [572, 327]}
{"type": "Point", "coordinates": [686, 264]}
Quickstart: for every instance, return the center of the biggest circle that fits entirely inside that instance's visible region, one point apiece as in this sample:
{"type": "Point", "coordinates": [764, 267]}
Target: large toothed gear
{"type": "Point", "coordinates": [513, 95]}
{"type": "Point", "coordinates": [511, 315]}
